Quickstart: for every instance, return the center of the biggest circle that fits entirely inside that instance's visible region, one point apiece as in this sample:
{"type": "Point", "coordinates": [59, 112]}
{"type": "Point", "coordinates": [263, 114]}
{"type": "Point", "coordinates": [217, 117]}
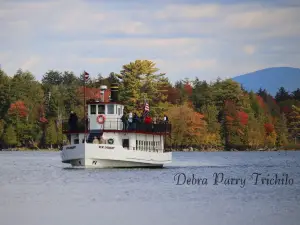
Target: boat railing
{"type": "Point", "coordinates": [116, 125]}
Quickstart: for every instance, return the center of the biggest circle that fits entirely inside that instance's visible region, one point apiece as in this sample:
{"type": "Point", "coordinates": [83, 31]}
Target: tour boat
{"type": "Point", "coordinates": [139, 146]}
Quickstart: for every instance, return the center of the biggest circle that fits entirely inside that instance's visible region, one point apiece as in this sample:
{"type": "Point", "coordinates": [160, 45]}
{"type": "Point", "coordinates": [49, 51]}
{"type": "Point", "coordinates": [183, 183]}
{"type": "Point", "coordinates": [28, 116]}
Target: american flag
{"type": "Point", "coordinates": [86, 75]}
{"type": "Point", "coordinates": [146, 109]}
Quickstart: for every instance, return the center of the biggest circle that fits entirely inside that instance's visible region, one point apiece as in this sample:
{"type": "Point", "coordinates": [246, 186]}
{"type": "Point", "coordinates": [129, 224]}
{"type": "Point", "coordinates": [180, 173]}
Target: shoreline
{"type": "Point", "coordinates": [167, 150]}
{"type": "Point", "coordinates": [28, 150]}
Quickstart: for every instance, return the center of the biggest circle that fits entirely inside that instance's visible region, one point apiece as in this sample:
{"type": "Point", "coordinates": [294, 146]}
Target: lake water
{"type": "Point", "coordinates": [37, 189]}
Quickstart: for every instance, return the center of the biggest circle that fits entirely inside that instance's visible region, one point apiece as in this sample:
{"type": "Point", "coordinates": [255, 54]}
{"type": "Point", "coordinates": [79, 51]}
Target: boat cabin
{"type": "Point", "coordinates": [104, 122]}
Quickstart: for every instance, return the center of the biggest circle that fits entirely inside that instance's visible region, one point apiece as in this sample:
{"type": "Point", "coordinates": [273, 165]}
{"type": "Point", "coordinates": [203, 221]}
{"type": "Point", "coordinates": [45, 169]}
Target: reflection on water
{"type": "Point", "coordinates": [36, 189]}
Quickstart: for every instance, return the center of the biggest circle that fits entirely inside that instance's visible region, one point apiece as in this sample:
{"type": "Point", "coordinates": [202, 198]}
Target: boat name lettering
{"type": "Point", "coordinates": [71, 147]}
{"type": "Point", "coordinates": [107, 147]}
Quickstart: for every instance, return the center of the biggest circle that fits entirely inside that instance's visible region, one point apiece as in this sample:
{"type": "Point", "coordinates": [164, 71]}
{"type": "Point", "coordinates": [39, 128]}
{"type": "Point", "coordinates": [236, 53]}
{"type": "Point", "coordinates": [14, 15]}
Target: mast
{"type": "Point", "coordinates": [86, 76]}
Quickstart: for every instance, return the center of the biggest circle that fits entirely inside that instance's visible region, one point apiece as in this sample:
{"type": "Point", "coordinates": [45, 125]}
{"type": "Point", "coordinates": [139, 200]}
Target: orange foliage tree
{"type": "Point", "coordinates": [188, 126]}
{"type": "Point", "coordinates": [18, 108]}
{"type": "Point", "coordinates": [269, 128]}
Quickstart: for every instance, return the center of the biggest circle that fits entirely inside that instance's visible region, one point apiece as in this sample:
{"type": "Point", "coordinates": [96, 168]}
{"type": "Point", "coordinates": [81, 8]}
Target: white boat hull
{"type": "Point", "coordinates": [112, 156]}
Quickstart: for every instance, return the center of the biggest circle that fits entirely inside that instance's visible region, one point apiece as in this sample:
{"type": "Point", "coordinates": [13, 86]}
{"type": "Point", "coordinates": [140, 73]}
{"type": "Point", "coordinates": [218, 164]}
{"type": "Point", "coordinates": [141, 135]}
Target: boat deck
{"type": "Point", "coordinates": [116, 126]}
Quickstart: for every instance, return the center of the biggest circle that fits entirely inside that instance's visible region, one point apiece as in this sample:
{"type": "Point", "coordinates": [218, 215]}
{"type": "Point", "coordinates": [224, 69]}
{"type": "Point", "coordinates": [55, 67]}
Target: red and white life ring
{"type": "Point", "coordinates": [100, 119]}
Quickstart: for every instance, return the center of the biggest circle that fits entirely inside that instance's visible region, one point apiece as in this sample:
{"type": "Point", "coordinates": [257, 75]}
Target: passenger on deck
{"type": "Point", "coordinates": [135, 120]}
{"type": "Point", "coordinates": [87, 122]}
{"type": "Point", "coordinates": [124, 121]}
{"type": "Point", "coordinates": [73, 121]}
{"type": "Point", "coordinates": [142, 118]}
{"type": "Point", "coordinates": [148, 120]}
{"type": "Point", "coordinates": [148, 124]}
{"type": "Point", "coordinates": [102, 141]}
{"type": "Point", "coordinates": [95, 141]}
{"type": "Point", "coordinates": [166, 119]}
{"type": "Point", "coordinates": [154, 120]}
{"type": "Point", "coordinates": [130, 117]}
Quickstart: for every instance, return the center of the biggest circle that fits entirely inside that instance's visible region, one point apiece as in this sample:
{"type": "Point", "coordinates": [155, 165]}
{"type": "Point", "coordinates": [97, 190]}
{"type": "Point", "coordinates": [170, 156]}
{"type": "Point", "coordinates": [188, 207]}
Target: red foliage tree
{"type": "Point", "coordinates": [269, 128]}
{"type": "Point", "coordinates": [43, 119]}
{"type": "Point", "coordinates": [173, 94]}
{"type": "Point", "coordinates": [41, 111]}
{"type": "Point", "coordinates": [243, 117]}
{"type": "Point", "coordinates": [286, 109]}
{"type": "Point", "coordinates": [188, 89]}
{"type": "Point", "coordinates": [260, 101]}
{"type": "Point", "coordinates": [18, 108]}
{"type": "Point", "coordinates": [229, 118]}
{"type": "Point", "coordinates": [274, 101]}
{"type": "Point", "coordinates": [230, 111]}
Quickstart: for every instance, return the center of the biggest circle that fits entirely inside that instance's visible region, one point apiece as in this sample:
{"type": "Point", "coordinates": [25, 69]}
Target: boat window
{"type": "Point", "coordinates": [119, 111]}
{"type": "Point", "coordinates": [101, 109]}
{"type": "Point", "coordinates": [110, 109]}
{"type": "Point", "coordinates": [125, 143]}
{"type": "Point", "coordinates": [93, 109]}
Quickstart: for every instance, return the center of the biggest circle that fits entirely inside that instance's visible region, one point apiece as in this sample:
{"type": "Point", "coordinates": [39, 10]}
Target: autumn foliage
{"type": "Point", "coordinates": [269, 128]}
{"type": "Point", "coordinates": [173, 94]}
{"type": "Point", "coordinates": [187, 125]}
{"type": "Point", "coordinates": [260, 101]}
{"type": "Point", "coordinates": [188, 89]}
{"type": "Point", "coordinates": [18, 108]}
{"type": "Point", "coordinates": [243, 117]}
{"type": "Point", "coordinates": [234, 117]}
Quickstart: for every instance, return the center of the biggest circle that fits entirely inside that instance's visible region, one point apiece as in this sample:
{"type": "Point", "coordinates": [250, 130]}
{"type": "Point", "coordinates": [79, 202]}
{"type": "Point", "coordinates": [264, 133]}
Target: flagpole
{"type": "Point", "coordinates": [84, 110]}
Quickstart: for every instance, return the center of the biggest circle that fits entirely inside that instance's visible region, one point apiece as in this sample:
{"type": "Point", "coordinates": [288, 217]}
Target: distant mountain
{"type": "Point", "coordinates": [271, 79]}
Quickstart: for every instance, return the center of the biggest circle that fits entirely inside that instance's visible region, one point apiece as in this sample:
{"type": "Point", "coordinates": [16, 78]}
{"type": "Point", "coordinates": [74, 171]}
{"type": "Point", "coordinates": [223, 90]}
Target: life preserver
{"type": "Point", "coordinates": [100, 119]}
{"type": "Point", "coordinates": [110, 141]}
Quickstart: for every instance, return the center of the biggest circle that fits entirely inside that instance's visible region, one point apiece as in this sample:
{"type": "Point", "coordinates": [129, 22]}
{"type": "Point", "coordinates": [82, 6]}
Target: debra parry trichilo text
{"type": "Point", "coordinates": [222, 179]}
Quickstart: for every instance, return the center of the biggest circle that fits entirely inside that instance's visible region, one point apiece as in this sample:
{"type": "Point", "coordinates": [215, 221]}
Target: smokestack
{"type": "Point", "coordinates": [114, 92]}
{"type": "Point", "coordinates": [102, 88]}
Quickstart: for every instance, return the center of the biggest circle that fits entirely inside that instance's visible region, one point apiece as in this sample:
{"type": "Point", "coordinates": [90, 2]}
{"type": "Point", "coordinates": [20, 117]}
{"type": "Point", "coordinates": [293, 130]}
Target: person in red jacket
{"type": "Point", "coordinates": [148, 120]}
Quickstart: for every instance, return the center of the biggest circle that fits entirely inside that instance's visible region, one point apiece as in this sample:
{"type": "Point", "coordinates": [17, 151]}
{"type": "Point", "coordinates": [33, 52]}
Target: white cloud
{"type": "Point", "coordinates": [157, 42]}
{"type": "Point", "coordinates": [30, 63]}
{"type": "Point", "coordinates": [249, 49]}
{"type": "Point", "coordinates": [206, 40]}
{"type": "Point", "coordinates": [99, 60]}
{"type": "Point", "coordinates": [184, 11]}
{"type": "Point", "coordinates": [202, 64]}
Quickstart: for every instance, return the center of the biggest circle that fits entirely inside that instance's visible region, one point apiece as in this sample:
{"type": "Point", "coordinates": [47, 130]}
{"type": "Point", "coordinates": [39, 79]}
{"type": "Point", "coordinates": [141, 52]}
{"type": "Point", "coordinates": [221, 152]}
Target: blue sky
{"type": "Point", "coordinates": [185, 39]}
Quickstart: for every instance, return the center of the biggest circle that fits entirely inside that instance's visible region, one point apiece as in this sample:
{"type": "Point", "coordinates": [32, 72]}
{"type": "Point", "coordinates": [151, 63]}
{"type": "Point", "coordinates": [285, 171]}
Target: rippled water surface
{"type": "Point", "coordinates": [36, 189]}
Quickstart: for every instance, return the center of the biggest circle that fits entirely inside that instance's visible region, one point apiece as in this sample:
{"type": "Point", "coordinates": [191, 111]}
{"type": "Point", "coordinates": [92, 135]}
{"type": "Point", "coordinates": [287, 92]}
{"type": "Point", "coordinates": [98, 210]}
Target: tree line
{"type": "Point", "coordinates": [207, 116]}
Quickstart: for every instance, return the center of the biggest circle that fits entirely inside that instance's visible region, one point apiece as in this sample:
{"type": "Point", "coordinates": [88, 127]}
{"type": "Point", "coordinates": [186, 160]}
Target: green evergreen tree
{"type": "Point", "coordinates": [294, 123]}
{"type": "Point", "coordinates": [255, 133]}
{"type": "Point", "coordinates": [10, 136]}
{"type": "Point", "coordinates": [296, 94]}
{"type": "Point", "coordinates": [51, 134]}
{"type": "Point", "coordinates": [282, 131]}
{"type": "Point", "coordinates": [282, 95]}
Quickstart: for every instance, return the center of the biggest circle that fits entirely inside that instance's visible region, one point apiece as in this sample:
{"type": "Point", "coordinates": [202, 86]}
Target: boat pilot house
{"type": "Point", "coordinates": [106, 123]}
